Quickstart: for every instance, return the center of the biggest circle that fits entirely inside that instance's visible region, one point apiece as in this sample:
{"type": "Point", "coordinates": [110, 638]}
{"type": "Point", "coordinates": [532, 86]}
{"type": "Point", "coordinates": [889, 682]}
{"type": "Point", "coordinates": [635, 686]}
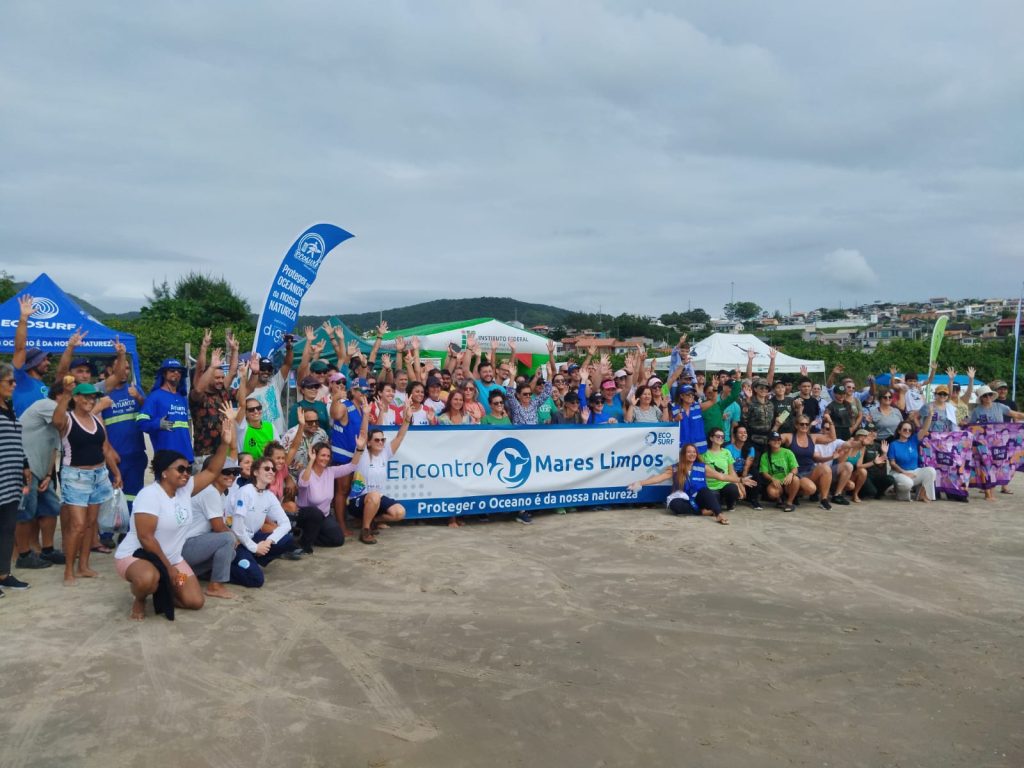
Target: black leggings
{"type": "Point", "coordinates": [705, 498]}
{"type": "Point", "coordinates": [319, 530]}
{"type": "Point", "coordinates": [8, 519]}
{"type": "Point", "coordinates": [728, 496]}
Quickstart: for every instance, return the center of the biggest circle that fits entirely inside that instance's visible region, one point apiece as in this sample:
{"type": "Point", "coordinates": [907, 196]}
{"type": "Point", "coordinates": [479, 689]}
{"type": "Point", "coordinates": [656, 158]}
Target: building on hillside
{"type": "Point", "coordinates": [1004, 327]}
{"type": "Point", "coordinates": [583, 343]}
{"type": "Point", "coordinates": [726, 326]}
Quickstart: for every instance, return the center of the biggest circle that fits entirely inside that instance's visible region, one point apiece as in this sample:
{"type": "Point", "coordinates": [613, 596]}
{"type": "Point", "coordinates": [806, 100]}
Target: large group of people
{"type": "Point", "coordinates": [240, 479]}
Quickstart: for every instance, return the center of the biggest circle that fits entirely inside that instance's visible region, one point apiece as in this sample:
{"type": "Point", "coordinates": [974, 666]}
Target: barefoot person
{"type": "Point", "coordinates": [690, 493]}
{"type": "Point", "coordinates": [85, 483]}
{"type": "Point", "coordinates": [209, 546]}
{"type": "Point", "coordinates": [161, 520]}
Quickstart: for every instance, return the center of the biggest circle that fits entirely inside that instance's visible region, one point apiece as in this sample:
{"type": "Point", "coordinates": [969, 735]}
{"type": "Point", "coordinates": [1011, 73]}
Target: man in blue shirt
{"type": "Point", "coordinates": [164, 417]}
{"type": "Point", "coordinates": [30, 364]}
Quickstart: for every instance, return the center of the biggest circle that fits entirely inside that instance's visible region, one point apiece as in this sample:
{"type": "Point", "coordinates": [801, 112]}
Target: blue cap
{"type": "Point", "coordinates": [170, 363]}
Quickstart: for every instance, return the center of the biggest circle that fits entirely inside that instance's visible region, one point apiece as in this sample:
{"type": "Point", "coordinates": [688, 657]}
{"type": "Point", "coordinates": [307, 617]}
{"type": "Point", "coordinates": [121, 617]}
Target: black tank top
{"type": "Point", "coordinates": [804, 456]}
{"type": "Point", "coordinates": [86, 448]}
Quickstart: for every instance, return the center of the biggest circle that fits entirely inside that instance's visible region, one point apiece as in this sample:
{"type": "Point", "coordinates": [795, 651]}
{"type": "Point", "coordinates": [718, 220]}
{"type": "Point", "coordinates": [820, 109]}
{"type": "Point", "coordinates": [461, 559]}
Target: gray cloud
{"type": "Point", "coordinates": [634, 156]}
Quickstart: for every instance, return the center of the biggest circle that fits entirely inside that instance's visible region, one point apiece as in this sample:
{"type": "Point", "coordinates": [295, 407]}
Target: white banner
{"type": "Point", "coordinates": [451, 471]}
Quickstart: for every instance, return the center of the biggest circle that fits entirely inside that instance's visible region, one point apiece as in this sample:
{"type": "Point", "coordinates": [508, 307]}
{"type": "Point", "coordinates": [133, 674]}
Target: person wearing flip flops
{"type": "Point", "coordinates": [690, 493]}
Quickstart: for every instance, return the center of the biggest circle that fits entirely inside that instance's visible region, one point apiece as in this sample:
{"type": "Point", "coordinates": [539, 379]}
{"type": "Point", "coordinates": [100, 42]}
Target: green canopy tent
{"type": "Point", "coordinates": [328, 353]}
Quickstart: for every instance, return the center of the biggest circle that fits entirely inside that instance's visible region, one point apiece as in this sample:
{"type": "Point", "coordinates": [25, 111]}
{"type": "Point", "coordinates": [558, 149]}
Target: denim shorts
{"type": "Point", "coordinates": [82, 487]}
{"type": "Point", "coordinates": [35, 504]}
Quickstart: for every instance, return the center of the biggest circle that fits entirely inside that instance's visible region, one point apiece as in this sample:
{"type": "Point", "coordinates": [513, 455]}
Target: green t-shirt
{"type": "Point", "coordinates": [489, 419]}
{"type": "Point", "coordinates": [722, 461]}
{"type": "Point", "coordinates": [255, 440]}
{"type": "Point", "coordinates": [779, 464]}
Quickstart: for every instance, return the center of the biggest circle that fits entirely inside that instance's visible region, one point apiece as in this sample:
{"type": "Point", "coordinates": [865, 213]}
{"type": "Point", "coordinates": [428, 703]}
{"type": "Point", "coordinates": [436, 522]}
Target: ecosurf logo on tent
{"type": "Point", "coordinates": [311, 251]}
{"type": "Point", "coordinates": [44, 308]}
{"type": "Point", "coordinates": [510, 462]}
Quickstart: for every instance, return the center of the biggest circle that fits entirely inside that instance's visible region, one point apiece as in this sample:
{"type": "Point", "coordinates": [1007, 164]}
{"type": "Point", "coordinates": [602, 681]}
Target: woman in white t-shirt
{"type": "Point", "coordinates": [367, 500]}
{"type": "Point", "coordinates": [161, 518]}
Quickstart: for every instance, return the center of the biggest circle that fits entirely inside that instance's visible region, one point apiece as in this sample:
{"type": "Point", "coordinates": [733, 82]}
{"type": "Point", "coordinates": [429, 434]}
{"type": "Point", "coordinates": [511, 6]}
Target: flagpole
{"type": "Point", "coordinates": [1016, 345]}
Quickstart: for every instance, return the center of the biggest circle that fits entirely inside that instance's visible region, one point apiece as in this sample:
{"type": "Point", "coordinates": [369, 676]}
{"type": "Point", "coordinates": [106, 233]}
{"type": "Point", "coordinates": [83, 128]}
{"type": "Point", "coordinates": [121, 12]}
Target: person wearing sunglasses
{"type": "Point", "coordinates": [149, 557]}
{"type": "Point", "coordinates": [884, 417]}
{"type": "Point", "coordinates": [496, 414]}
{"type": "Point", "coordinates": [256, 433]}
{"type": "Point", "coordinates": [814, 471]}
{"type": "Point", "coordinates": [905, 462]}
{"type": "Point", "coordinates": [88, 475]}
{"type": "Point", "coordinates": [256, 507]}
{"type": "Point", "coordinates": [722, 479]}
{"type": "Point", "coordinates": [369, 481]}
{"type": "Point", "coordinates": [210, 544]}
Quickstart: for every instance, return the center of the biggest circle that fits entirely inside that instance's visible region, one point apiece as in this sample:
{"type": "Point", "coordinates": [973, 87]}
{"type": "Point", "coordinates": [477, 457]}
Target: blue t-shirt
{"type": "Point", "coordinates": [905, 453]}
{"type": "Point", "coordinates": [613, 410]}
{"type": "Point", "coordinates": [485, 390]}
{"type": "Point", "coordinates": [27, 390]}
{"type": "Point", "coordinates": [731, 415]}
{"type": "Point", "coordinates": [161, 404]}
{"type": "Point", "coordinates": [740, 457]}
{"type": "Point", "coordinates": [121, 421]}
{"type": "Point", "coordinates": [691, 428]}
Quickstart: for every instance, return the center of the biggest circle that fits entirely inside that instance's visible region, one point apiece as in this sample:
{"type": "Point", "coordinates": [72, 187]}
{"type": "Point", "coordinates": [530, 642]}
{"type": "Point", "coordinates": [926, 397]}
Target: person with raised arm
{"type": "Point", "coordinates": [89, 473]}
{"type": "Point", "coordinates": [210, 392]}
{"type": "Point", "coordinates": [690, 493]}
{"type": "Point", "coordinates": [150, 556]}
{"type": "Point", "coordinates": [369, 482]}
{"type": "Point", "coordinates": [30, 363]}
{"type": "Point", "coordinates": [316, 493]}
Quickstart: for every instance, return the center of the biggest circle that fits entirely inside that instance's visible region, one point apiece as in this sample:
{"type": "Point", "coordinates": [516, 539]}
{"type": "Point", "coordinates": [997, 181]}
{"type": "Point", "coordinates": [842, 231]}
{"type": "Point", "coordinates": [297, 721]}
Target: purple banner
{"type": "Point", "coordinates": [950, 454]}
{"type": "Point", "coordinates": [997, 452]}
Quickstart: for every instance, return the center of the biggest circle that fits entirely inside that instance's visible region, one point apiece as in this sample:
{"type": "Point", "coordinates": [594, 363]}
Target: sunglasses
{"type": "Point", "coordinates": [267, 468]}
{"type": "Point", "coordinates": [377, 440]}
{"type": "Point", "coordinates": [310, 422]}
{"type": "Point", "coordinates": [255, 409]}
{"type": "Point", "coordinates": [496, 403]}
{"type": "Point", "coordinates": [803, 423]}
{"type": "Point", "coordinates": [887, 397]}
{"type": "Point", "coordinates": [558, 381]}
{"type": "Point", "coordinates": [183, 469]}
{"type": "Point", "coordinates": [942, 394]}
{"type": "Point", "coordinates": [231, 472]}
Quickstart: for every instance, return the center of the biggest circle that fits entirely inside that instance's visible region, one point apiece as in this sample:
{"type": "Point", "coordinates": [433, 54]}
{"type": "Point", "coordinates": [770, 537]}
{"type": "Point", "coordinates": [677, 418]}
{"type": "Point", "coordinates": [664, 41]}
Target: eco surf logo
{"type": "Point", "coordinates": [311, 251]}
{"type": "Point", "coordinates": [43, 308]}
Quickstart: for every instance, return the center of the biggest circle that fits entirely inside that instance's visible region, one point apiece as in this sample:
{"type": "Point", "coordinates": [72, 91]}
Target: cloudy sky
{"type": "Point", "coordinates": [633, 156]}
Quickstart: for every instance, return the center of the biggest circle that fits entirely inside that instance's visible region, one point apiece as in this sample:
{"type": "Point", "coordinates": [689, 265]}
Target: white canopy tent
{"type": "Point", "coordinates": [726, 351]}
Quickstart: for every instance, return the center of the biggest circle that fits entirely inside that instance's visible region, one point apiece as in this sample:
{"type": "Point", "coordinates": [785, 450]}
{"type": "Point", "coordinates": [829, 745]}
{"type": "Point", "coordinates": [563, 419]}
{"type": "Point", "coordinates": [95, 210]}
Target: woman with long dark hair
{"type": "Point", "coordinates": [690, 493]}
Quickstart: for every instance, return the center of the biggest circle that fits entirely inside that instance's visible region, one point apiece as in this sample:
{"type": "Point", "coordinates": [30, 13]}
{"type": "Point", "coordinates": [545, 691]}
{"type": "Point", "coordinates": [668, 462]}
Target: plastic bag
{"type": "Point", "coordinates": [113, 517]}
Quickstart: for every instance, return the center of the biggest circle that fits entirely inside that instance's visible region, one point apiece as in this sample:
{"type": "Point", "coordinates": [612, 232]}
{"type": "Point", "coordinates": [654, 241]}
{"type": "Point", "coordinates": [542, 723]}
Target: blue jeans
{"type": "Point", "coordinates": [36, 504]}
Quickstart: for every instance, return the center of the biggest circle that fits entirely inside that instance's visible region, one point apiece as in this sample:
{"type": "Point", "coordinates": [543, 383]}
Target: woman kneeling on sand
{"type": "Point", "coordinates": [161, 518]}
{"type": "Point", "coordinates": [690, 493]}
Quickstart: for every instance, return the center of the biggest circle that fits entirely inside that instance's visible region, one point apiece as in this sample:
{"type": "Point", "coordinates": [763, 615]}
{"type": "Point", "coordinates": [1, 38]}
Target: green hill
{"type": "Point", "coordinates": [450, 310]}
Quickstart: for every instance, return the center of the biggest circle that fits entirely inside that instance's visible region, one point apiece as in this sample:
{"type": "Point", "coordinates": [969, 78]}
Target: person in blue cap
{"type": "Point", "coordinates": [164, 416]}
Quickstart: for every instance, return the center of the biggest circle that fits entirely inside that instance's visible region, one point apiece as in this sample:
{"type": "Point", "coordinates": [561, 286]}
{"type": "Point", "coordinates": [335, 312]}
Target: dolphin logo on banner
{"type": "Point", "coordinates": [294, 277]}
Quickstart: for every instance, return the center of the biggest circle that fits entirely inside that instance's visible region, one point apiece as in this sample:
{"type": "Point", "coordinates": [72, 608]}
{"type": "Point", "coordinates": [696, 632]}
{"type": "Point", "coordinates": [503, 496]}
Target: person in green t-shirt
{"type": "Point", "coordinates": [498, 414]}
{"type": "Point", "coordinates": [779, 473]}
{"type": "Point", "coordinates": [257, 432]}
{"type": "Point", "coordinates": [721, 472]}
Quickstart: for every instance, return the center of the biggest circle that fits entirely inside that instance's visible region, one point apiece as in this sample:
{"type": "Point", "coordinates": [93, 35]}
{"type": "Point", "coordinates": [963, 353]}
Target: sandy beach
{"type": "Point", "coordinates": [883, 634]}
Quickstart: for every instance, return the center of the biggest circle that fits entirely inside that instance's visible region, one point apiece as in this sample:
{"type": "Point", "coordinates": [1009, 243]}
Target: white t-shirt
{"type": "Point", "coordinates": [420, 418]}
{"type": "Point", "coordinates": [207, 505]}
{"type": "Point", "coordinates": [251, 510]}
{"type": "Point", "coordinates": [270, 398]}
{"type": "Point", "coordinates": [371, 472]}
{"type": "Point", "coordinates": [828, 450]}
{"type": "Point", "coordinates": [174, 518]}
{"type": "Point", "coordinates": [435, 405]}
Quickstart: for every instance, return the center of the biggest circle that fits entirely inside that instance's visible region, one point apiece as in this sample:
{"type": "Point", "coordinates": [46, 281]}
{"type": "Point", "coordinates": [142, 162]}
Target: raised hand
{"type": "Point", "coordinates": [884, 447]}
{"type": "Point", "coordinates": [399, 344]}
{"type": "Point", "coordinates": [318, 348]}
{"type": "Point", "coordinates": [551, 348]}
{"type": "Point", "coordinates": [971, 370]}
{"type": "Point", "coordinates": [951, 374]}
{"type": "Point", "coordinates": [77, 337]}
{"type": "Point", "coordinates": [470, 339]}
{"type": "Point", "coordinates": [229, 338]}
{"type": "Point", "coordinates": [385, 360]}
{"type": "Point", "coordinates": [364, 406]}
{"type": "Point", "coordinates": [892, 372]}
{"type": "Point", "coordinates": [604, 360]}
{"type": "Point", "coordinates": [682, 340]}
{"type": "Point", "coordinates": [416, 343]}
{"type": "Point", "coordinates": [328, 329]}
{"type": "Point", "coordinates": [25, 306]}
{"type": "Point", "coordinates": [382, 328]}
{"type": "Point", "coordinates": [217, 358]}
{"type": "Point", "coordinates": [361, 443]}
{"type": "Point", "coordinates": [751, 353]}
{"type": "Point", "coordinates": [134, 392]}
{"type": "Point", "coordinates": [254, 363]}
{"type": "Point", "coordinates": [837, 369]}
{"type": "Point", "coordinates": [310, 333]}
{"type": "Point", "coordinates": [407, 412]}
{"type": "Point", "coordinates": [773, 352]}
{"type": "Point", "coordinates": [592, 350]}
{"type": "Point", "coordinates": [119, 348]}
{"type": "Point", "coordinates": [352, 347]}
{"type": "Point", "coordinates": [803, 370]}
{"type": "Point", "coordinates": [207, 338]}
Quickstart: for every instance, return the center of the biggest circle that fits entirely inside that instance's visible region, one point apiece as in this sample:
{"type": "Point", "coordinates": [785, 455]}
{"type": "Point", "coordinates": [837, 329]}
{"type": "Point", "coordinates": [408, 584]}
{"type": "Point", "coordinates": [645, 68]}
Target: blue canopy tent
{"type": "Point", "coordinates": [55, 318]}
